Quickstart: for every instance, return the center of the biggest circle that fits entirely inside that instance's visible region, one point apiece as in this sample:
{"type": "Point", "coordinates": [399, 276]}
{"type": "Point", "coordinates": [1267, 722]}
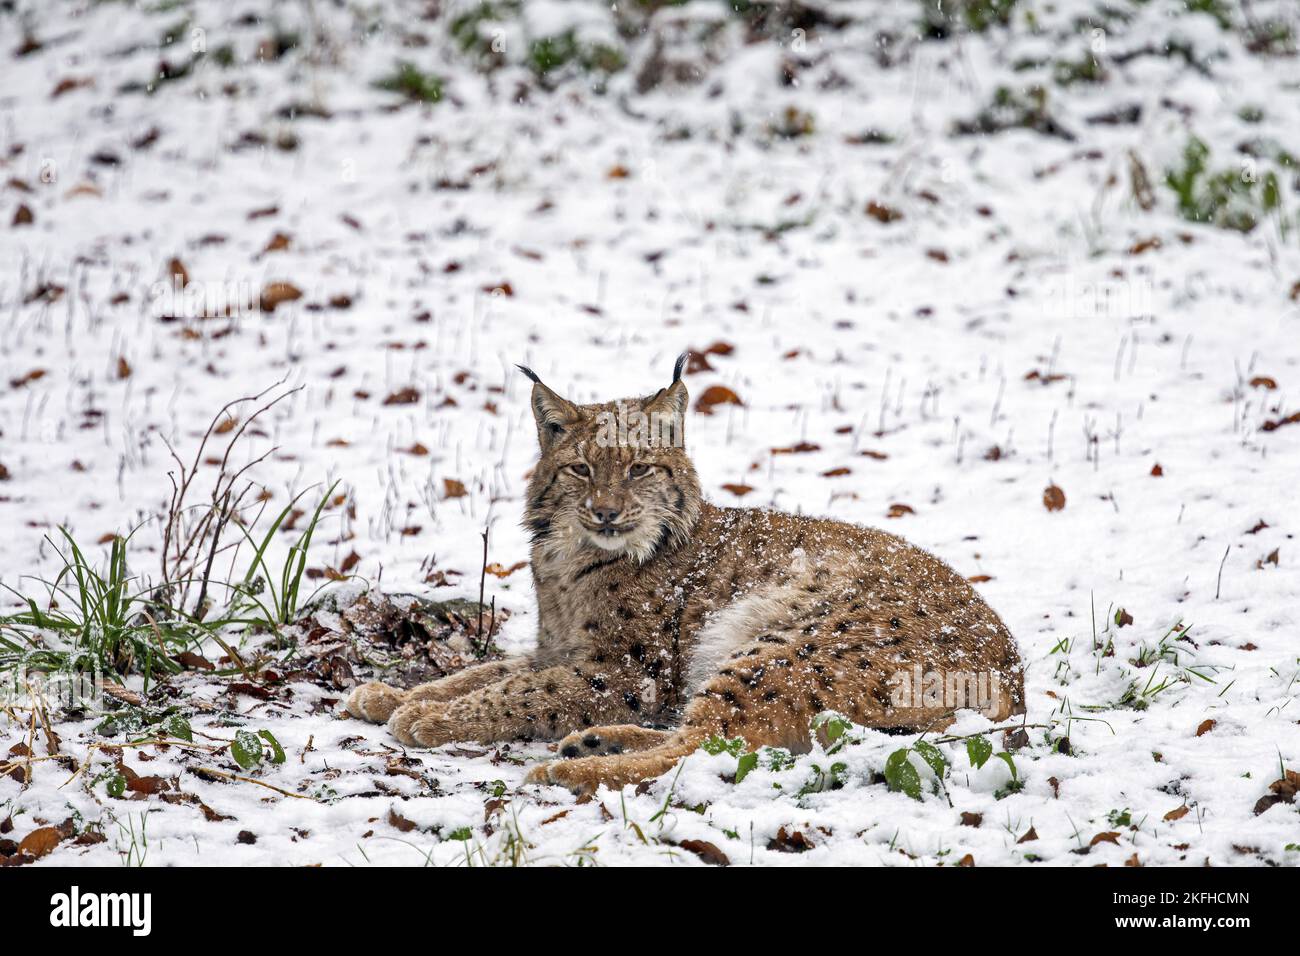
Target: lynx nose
{"type": "Point", "coordinates": [605, 514]}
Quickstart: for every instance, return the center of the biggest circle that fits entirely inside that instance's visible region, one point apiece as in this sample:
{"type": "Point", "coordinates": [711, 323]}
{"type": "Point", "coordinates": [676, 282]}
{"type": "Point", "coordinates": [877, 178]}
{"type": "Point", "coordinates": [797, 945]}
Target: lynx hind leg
{"type": "Point", "coordinates": [376, 702]}
{"type": "Point", "coordinates": [465, 681]}
{"type": "Point", "coordinates": [614, 739]}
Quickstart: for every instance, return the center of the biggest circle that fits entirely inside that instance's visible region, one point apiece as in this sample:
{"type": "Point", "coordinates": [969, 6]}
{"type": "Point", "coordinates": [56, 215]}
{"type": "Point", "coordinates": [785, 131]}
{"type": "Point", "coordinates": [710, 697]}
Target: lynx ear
{"type": "Point", "coordinates": [552, 413]}
{"type": "Point", "coordinates": [672, 402]}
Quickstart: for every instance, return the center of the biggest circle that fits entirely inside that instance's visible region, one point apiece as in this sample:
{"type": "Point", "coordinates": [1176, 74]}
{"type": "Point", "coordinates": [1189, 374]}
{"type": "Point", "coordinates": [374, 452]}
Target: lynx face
{"type": "Point", "coordinates": [613, 477]}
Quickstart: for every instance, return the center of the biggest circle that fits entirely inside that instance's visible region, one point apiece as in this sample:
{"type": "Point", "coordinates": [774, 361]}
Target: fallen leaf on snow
{"type": "Point", "coordinates": [804, 447]}
{"type": "Point", "coordinates": [706, 851]}
{"type": "Point", "coordinates": [882, 213]}
{"type": "Point", "coordinates": [1053, 498]}
{"type": "Point", "coordinates": [1284, 790]}
{"type": "Point", "coordinates": [40, 842]}
{"type": "Point", "coordinates": [403, 396]}
{"type": "Point", "coordinates": [275, 294]}
{"type": "Point", "coordinates": [716, 395]}
{"type": "Point", "coordinates": [399, 822]}
{"type": "Point", "coordinates": [789, 842]}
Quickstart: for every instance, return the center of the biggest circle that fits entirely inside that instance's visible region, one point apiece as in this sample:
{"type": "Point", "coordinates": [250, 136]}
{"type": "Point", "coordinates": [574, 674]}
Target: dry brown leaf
{"type": "Point", "coordinates": [501, 571]}
{"type": "Point", "coordinates": [279, 242]}
{"type": "Point", "coordinates": [32, 376]}
{"type": "Point", "coordinates": [716, 395]}
{"type": "Point", "coordinates": [275, 294]}
{"type": "Point", "coordinates": [176, 269]}
{"type": "Point", "coordinates": [882, 213]}
{"type": "Point", "coordinates": [804, 447]}
{"type": "Point", "coordinates": [1177, 813]}
{"type": "Point", "coordinates": [1053, 498]}
{"type": "Point", "coordinates": [193, 661]}
{"type": "Point", "coordinates": [738, 490]}
{"type": "Point", "coordinates": [898, 509]}
{"type": "Point", "coordinates": [399, 822]}
{"type": "Point", "coordinates": [1110, 836]}
{"type": "Point", "coordinates": [1206, 726]}
{"type": "Point", "coordinates": [70, 83]}
{"type": "Point", "coordinates": [706, 851]}
{"type": "Point", "coordinates": [789, 842]}
{"type": "Point", "coordinates": [148, 785]}
{"type": "Point", "coordinates": [451, 488]}
{"type": "Point", "coordinates": [696, 362]}
{"type": "Point", "coordinates": [1275, 424]}
{"type": "Point", "coordinates": [403, 396]}
{"type": "Point", "coordinates": [40, 842]}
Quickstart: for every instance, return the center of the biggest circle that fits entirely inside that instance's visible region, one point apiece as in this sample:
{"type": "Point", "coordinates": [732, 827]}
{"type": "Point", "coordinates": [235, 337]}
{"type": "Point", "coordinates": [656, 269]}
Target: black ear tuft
{"type": "Point", "coordinates": [530, 373]}
{"type": "Point", "coordinates": [681, 364]}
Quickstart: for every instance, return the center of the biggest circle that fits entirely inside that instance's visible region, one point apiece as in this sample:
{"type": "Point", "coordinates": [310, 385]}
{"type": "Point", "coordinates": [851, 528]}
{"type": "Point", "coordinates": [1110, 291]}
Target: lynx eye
{"type": "Point", "coordinates": [580, 469]}
{"type": "Point", "coordinates": [638, 470]}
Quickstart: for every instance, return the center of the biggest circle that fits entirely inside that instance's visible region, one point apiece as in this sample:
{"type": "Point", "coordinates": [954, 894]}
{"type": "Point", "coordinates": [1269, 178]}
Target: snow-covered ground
{"type": "Point", "coordinates": [941, 319]}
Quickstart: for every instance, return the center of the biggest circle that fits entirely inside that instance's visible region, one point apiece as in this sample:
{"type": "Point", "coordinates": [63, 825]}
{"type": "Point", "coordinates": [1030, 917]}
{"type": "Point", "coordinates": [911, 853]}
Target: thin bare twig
{"type": "Point", "coordinates": [261, 783]}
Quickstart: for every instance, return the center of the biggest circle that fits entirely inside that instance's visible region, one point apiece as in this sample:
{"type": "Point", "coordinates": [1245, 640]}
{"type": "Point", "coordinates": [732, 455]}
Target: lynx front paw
{"type": "Point", "coordinates": [422, 723]}
{"type": "Point", "coordinates": [552, 773]}
{"type": "Point", "coordinates": [585, 776]}
{"type": "Point", "coordinates": [375, 702]}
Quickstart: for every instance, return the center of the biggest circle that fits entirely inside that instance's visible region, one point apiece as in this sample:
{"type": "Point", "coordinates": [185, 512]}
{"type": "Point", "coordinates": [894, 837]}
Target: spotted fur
{"type": "Point", "coordinates": [657, 609]}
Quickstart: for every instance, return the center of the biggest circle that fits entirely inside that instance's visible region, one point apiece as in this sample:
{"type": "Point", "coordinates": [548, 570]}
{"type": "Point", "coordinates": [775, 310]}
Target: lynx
{"type": "Point", "coordinates": [664, 620]}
